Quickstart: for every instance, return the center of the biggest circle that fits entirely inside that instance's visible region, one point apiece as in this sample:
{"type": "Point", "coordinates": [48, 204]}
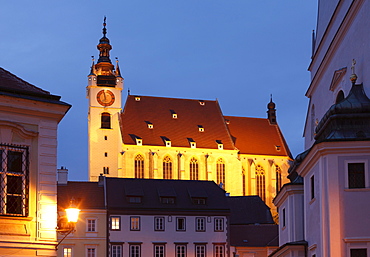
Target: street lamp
{"type": "Point", "coordinates": [67, 224]}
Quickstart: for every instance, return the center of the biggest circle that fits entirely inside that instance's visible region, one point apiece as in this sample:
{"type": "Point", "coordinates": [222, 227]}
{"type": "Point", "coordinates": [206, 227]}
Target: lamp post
{"type": "Point", "coordinates": [67, 224]}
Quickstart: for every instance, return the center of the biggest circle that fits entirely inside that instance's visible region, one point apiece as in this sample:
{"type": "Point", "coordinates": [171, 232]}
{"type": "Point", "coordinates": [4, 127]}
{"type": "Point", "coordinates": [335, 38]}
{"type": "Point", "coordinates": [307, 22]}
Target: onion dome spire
{"type": "Point", "coordinates": [104, 46]}
{"type": "Point", "coordinates": [117, 71]}
{"type": "Point", "coordinates": [92, 70]}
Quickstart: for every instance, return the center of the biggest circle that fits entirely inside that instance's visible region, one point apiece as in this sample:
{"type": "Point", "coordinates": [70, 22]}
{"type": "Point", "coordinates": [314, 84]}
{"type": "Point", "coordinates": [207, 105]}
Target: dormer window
{"type": "Point", "coordinates": [201, 102]}
{"type": "Point", "coordinates": [137, 98]}
{"type": "Point", "coordinates": [134, 199]}
{"type": "Point", "coordinates": [277, 148]}
{"type": "Point", "coordinates": [168, 200]}
{"type": "Point", "coordinates": [198, 201]}
{"type": "Point", "coordinates": [150, 125]}
{"type": "Point", "coordinates": [227, 121]}
{"type": "Point", "coordinates": [174, 114]}
{"type": "Point", "coordinates": [139, 141]}
{"type": "Point", "coordinates": [192, 143]}
{"type": "Point", "coordinates": [167, 141]}
{"type": "Point", "coordinates": [220, 145]}
{"type": "Point", "coordinates": [200, 128]}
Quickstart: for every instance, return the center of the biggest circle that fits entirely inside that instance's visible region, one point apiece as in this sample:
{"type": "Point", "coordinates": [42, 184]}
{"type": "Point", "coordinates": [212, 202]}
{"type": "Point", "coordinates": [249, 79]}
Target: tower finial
{"type": "Point", "coordinates": [104, 28]}
{"type": "Point", "coordinates": [353, 77]}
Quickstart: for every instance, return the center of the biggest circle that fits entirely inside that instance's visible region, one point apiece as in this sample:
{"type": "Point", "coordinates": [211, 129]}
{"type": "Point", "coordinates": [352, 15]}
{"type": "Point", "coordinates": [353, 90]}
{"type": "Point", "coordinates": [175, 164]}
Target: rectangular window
{"type": "Point", "coordinates": [219, 224]}
{"type": "Point", "coordinates": [14, 164]}
{"type": "Point", "coordinates": [284, 218]}
{"type": "Point", "coordinates": [200, 224]}
{"type": "Point", "coordinates": [180, 250]}
{"type": "Point", "coordinates": [135, 223]}
{"type": "Point", "coordinates": [91, 225]}
{"type": "Point", "coordinates": [116, 250]}
{"type": "Point", "coordinates": [134, 199]}
{"type": "Point", "coordinates": [356, 175]}
{"type": "Point", "coordinates": [358, 252]}
{"type": "Point", "coordinates": [200, 250]}
{"type": "Point", "coordinates": [168, 200]}
{"type": "Point", "coordinates": [115, 223]}
{"type": "Point", "coordinates": [67, 252]}
{"type": "Point", "coordinates": [312, 187]}
{"type": "Point", "coordinates": [135, 251]}
{"type": "Point", "coordinates": [180, 224]}
{"type": "Point", "coordinates": [91, 252]}
{"type": "Point", "coordinates": [159, 250]}
{"type": "Point", "coordinates": [219, 251]}
{"type": "Point", "coordinates": [159, 223]}
{"type": "Point", "coordinates": [198, 201]}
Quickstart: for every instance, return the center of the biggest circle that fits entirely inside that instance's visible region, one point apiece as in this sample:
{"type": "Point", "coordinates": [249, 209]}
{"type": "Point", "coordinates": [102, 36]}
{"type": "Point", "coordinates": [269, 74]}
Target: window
{"type": "Point", "coordinates": [356, 175]}
{"type": "Point", "coordinates": [284, 218]}
{"type": "Point", "coordinates": [340, 97]}
{"type": "Point", "coordinates": [116, 250]}
{"type": "Point", "coordinates": [135, 250]}
{"type": "Point", "coordinates": [168, 200]}
{"type": "Point", "coordinates": [115, 223]}
{"type": "Point", "coordinates": [13, 180]}
{"type": "Point", "coordinates": [194, 169]}
{"type": "Point", "coordinates": [243, 182]}
{"type": "Point", "coordinates": [278, 178]}
{"type": "Point", "coordinates": [139, 166]}
{"type": "Point", "coordinates": [105, 170]}
{"type": "Point", "coordinates": [358, 252]}
{"type": "Point", "coordinates": [219, 250]}
{"type": "Point", "coordinates": [260, 182]}
{"type": "Point", "coordinates": [180, 224]}
{"type": "Point", "coordinates": [67, 252]}
{"type": "Point", "coordinates": [312, 180]}
{"type": "Point", "coordinates": [167, 168]}
{"type": "Point", "coordinates": [135, 223]}
{"type": "Point", "coordinates": [91, 225]}
{"type": "Point", "coordinates": [105, 120]}
{"type": "Point", "coordinates": [159, 223]}
{"type": "Point", "coordinates": [219, 224]}
{"type": "Point", "coordinates": [200, 224]}
{"type": "Point", "coordinates": [181, 250]}
{"type": "Point", "coordinates": [220, 170]}
{"type": "Point", "coordinates": [198, 201]}
{"type": "Point", "coordinates": [159, 250]}
{"type": "Point", "coordinates": [134, 199]}
{"type": "Point", "coordinates": [200, 250]}
{"type": "Point", "coordinates": [91, 252]}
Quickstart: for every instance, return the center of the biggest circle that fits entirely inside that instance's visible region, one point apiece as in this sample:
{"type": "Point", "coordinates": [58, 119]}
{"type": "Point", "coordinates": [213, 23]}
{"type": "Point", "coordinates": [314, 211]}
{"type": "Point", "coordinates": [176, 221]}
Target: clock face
{"type": "Point", "coordinates": [105, 97]}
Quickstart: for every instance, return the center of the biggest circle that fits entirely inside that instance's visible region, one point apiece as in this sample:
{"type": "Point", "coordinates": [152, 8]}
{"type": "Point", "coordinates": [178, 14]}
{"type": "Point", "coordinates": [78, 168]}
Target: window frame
{"type": "Point", "coordinates": [68, 254]}
{"type": "Point", "coordinates": [135, 223]}
{"type": "Point", "coordinates": [219, 227]}
{"type": "Point", "coordinates": [194, 168]}
{"type": "Point", "coordinates": [366, 173]}
{"type": "Point", "coordinates": [91, 225]}
{"type": "Point", "coordinates": [219, 252]}
{"type": "Point", "coordinates": [160, 227]}
{"type": "Point", "coordinates": [177, 223]}
{"type": "Point", "coordinates": [131, 253]}
{"type": "Point", "coordinates": [200, 254]}
{"type": "Point", "coordinates": [159, 254]}
{"type": "Point", "coordinates": [113, 254]}
{"type": "Point", "coordinates": [167, 164]}
{"type": "Point", "coordinates": [106, 120]}
{"type": "Point", "coordinates": [111, 222]}
{"type": "Point", "coordinates": [93, 253]}
{"type": "Point", "coordinates": [200, 224]}
{"type": "Point", "coordinates": [180, 254]}
{"type": "Point", "coordinates": [139, 167]}
{"type": "Point", "coordinates": [260, 182]}
{"type": "Point", "coordinates": [221, 172]}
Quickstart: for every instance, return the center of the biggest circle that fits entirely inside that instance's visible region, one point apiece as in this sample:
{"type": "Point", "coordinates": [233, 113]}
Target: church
{"type": "Point", "coordinates": [180, 139]}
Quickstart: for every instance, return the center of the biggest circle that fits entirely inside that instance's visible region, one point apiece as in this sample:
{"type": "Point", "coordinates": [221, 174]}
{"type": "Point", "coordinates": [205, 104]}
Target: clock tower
{"type": "Point", "coordinates": [104, 93]}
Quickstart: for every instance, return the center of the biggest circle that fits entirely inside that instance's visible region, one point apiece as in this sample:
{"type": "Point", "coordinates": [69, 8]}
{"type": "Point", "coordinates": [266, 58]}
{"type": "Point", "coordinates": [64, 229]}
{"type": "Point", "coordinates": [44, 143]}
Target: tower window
{"type": "Point", "coordinates": [105, 120]}
{"type": "Point", "coordinates": [356, 175]}
{"type": "Point", "coordinates": [105, 170]}
{"type": "Point", "coordinates": [106, 154]}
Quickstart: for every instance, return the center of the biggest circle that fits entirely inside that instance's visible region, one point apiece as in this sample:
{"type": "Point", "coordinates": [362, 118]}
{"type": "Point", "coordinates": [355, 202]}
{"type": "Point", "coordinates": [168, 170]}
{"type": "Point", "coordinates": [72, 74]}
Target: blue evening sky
{"type": "Point", "coordinates": [236, 51]}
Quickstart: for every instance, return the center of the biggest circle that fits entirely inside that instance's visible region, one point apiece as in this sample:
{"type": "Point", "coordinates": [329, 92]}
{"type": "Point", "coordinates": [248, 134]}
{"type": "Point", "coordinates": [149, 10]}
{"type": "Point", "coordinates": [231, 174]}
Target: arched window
{"type": "Point", "coordinates": [220, 170]}
{"type": "Point", "coordinates": [139, 166]}
{"type": "Point", "coordinates": [167, 168]}
{"type": "Point", "coordinates": [260, 182]}
{"type": "Point", "coordinates": [194, 169]}
{"type": "Point", "coordinates": [278, 178]}
{"type": "Point", "coordinates": [340, 97]}
{"type": "Point", "coordinates": [105, 120]}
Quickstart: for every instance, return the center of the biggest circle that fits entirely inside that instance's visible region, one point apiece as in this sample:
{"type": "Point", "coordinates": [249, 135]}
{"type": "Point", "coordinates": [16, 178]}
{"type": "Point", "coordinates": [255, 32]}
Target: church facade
{"type": "Point", "coordinates": [173, 138]}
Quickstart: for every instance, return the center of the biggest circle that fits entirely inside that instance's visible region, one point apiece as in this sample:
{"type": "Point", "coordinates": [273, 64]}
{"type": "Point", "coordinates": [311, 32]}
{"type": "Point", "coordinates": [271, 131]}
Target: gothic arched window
{"type": "Point", "coordinates": [167, 168]}
{"type": "Point", "coordinates": [105, 120]}
{"type": "Point", "coordinates": [260, 182]}
{"type": "Point", "coordinates": [139, 166]}
{"type": "Point", "coordinates": [194, 173]}
{"type": "Point", "coordinates": [278, 178]}
{"type": "Point", "coordinates": [220, 170]}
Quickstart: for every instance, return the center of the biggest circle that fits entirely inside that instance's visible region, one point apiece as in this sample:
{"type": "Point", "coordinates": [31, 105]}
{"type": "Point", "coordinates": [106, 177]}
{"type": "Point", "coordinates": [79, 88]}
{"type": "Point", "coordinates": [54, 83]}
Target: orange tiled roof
{"type": "Point", "coordinates": [159, 111]}
{"type": "Point", "coordinates": [257, 136]}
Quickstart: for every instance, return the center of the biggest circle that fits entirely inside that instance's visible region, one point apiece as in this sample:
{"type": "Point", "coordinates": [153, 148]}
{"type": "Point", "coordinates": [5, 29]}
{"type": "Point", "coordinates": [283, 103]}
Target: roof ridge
{"type": "Point", "coordinates": [175, 98]}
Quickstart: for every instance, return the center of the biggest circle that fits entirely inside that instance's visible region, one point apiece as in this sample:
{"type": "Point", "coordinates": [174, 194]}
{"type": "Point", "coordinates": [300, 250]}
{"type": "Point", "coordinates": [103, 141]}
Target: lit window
{"type": "Point", "coordinates": [219, 250]}
{"type": "Point", "coordinates": [194, 172]}
{"type": "Point", "coordinates": [91, 225]}
{"type": "Point", "coordinates": [356, 175]}
{"type": "Point", "coordinates": [180, 224]}
{"type": "Point", "coordinates": [67, 252]}
{"type": "Point", "coordinates": [105, 120]}
{"type": "Point", "coordinates": [135, 223]}
{"type": "Point", "coordinates": [116, 250]}
{"type": "Point", "coordinates": [200, 250]}
{"type": "Point", "coordinates": [14, 180]}
{"type": "Point", "coordinates": [135, 250]}
{"type": "Point", "coordinates": [200, 128]}
{"type": "Point", "coordinates": [115, 223]}
{"type": "Point", "coordinates": [219, 224]}
{"type": "Point", "coordinates": [200, 224]}
{"type": "Point", "coordinates": [159, 250]}
{"type": "Point", "coordinates": [260, 182]}
{"type": "Point", "coordinates": [159, 223]}
{"type": "Point", "coordinates": [180, 250]}
{"type": "Point", "coordinates": [167, 168]}
{"type": "Point", "coordinates": [91, 252]}
{"type": "Point", "coordinates": [139, 166]}
{"type": "Point", "coordinates": [220, 170]}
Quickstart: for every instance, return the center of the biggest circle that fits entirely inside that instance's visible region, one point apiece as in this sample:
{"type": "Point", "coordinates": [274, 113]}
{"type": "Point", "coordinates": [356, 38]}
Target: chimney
{"type": "Point", "coordinates": [101, 180]}
{"type": "Point", "coordinates": [62, 176]}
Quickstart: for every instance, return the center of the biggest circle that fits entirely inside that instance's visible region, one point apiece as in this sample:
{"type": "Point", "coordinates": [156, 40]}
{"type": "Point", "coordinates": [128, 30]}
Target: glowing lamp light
{"type": "Point", "coordinates": [72, 211]}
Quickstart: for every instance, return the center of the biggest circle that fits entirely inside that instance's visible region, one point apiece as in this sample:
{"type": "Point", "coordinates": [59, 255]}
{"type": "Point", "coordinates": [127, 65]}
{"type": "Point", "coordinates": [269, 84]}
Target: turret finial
{"type": "Point", "coordinates": [104, 26]}
{"type": "Point", "coordinates": [353, 77]}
